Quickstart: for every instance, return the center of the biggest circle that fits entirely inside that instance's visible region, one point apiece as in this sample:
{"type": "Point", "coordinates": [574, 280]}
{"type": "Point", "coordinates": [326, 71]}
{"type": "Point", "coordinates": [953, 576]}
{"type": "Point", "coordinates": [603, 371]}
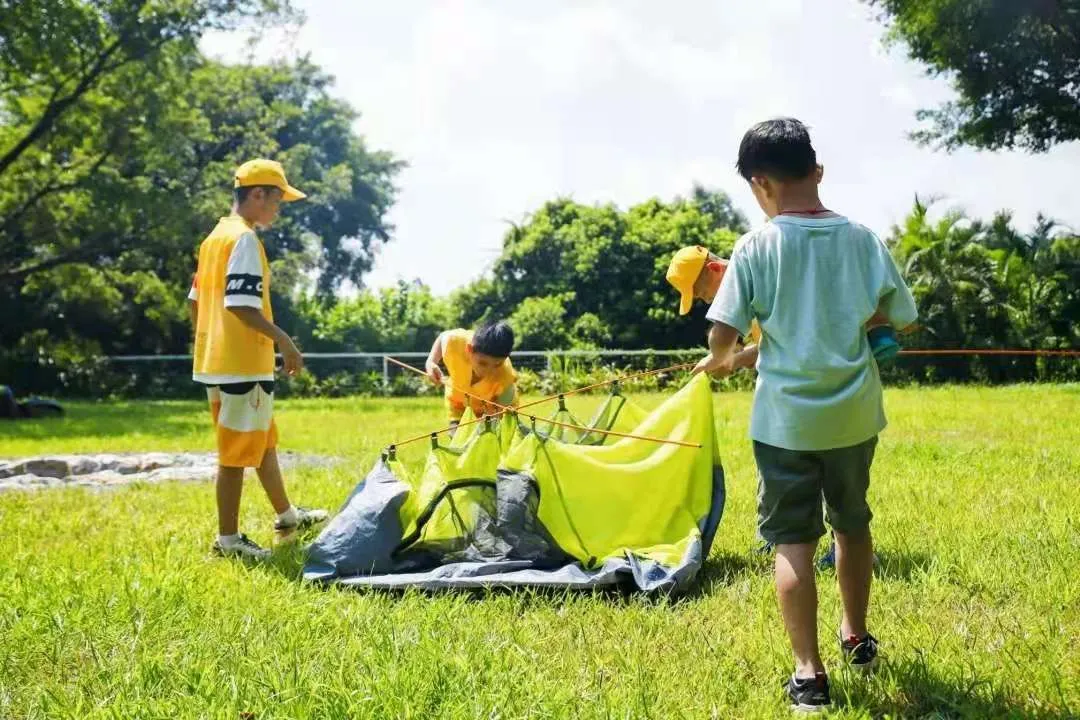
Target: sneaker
{"type": "Point", "coordinates": [304, 519]}
{"type": "Point", "coordinates": [861, 654]}
{"type": "Point", "coordinates": [828, 560]}
{"type": "Point", "coordinates": [245, 549]}
{"type": "Point", "coordinates": [809, 695]}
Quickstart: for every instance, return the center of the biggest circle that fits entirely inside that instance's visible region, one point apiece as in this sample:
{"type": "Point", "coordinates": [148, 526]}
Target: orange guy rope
{"type": "Point", "coordinates": [504, 408]}
{"type": "Point", "coordinates": [625, 378]}
{"type": "Point", "coordinates": [972, 351]}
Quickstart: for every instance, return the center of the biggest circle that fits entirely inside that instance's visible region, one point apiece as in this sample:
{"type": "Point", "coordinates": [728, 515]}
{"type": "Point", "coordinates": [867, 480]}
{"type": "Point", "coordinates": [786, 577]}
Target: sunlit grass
{"type": "Point", "coordinates": [110, 605]}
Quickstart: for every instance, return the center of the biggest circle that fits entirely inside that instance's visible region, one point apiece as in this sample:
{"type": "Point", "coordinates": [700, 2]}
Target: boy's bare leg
{"type": "Point", "coordinates": [230, 485]}
{"type": "Point", "coordinates": [854, 573]}
{"type": "Point", "coordinates": [797, 592]}
{"type": "Point", "coordinates": [270, 476]}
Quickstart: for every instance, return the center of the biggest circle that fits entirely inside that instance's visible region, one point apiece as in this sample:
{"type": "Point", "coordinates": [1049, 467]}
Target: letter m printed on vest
{"type": "Point", "coordinates": [243, 284]}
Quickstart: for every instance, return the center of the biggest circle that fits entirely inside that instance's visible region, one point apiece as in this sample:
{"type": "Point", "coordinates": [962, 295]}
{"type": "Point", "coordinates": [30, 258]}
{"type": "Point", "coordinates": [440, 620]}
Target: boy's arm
{"type": "Point", "coordinates": [193, 304]}
{"type": "Point", "coordinates": [720, 361]}
{"type": "Point", "coordinates": [747, 357]}
{"type": "Point", "coordinates": [254, 319]}
{"type": "Point", "coordinates": [245, 278]}
{"type": "Point", "coordinates": [731, 317]}
{"type": "Point", "coordinates": [431, 365]}
{"type": "Point", "coordinates": [895, 303]}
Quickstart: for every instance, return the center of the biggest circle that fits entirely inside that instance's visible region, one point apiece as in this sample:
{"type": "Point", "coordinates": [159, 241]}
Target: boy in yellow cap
{"type": "Point", "coordinates": [234, 354]}
{"type": "Point", "coordinates": [479, 367]}
{"type": "Point", "coordinates": [697, 273]}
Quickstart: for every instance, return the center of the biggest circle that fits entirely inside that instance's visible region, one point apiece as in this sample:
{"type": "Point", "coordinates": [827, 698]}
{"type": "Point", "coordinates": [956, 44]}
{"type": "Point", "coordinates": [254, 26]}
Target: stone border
{"type": "Point", "coordinates": [110, 470]}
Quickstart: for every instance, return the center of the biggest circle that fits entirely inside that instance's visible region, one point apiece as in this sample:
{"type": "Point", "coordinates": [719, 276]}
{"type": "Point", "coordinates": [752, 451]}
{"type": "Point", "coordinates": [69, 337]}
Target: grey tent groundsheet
{"type": "Point", "coordinates": [509, 504]}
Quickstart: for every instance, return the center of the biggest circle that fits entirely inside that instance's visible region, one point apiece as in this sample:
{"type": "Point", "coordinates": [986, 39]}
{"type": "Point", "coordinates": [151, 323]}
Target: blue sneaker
{"type": "Point", "coordinates": [828, 560]}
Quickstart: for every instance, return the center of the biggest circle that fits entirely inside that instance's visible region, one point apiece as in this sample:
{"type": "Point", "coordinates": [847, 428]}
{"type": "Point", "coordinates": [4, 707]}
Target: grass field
{"type": "Point", "coordinates": [110, 605]}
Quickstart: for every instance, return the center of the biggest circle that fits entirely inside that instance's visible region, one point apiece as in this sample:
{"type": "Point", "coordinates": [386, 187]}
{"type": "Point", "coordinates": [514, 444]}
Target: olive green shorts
{"type": "Point", "coordinates": [792, 484]}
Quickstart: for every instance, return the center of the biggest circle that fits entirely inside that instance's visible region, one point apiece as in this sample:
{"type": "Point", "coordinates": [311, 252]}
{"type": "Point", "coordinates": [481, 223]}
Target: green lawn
{"type": "Point", "coordinates": [110, 605]}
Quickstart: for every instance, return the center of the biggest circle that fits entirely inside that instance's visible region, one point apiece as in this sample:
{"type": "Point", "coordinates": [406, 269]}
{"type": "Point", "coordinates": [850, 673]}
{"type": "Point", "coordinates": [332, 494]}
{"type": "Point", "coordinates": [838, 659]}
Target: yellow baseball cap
{"type": "Point", "coordinates": [683, 273]}
{"type": "Point", "coordinates": [266, 172]}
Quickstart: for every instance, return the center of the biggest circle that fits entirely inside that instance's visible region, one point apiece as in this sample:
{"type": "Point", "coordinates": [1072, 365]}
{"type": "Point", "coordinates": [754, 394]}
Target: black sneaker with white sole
{"type": "Point", "coordinates": [245, 548]}
{"type": "Point", "coordinates": [809, 695]}
{"type": "Point", "coordinates": [860, 653]}
{"type": "Point", "coordinates": [305, 519]}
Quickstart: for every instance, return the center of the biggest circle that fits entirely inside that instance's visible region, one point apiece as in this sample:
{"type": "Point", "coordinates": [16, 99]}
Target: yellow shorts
{"type": "Point", "coordinates": [244, 420]}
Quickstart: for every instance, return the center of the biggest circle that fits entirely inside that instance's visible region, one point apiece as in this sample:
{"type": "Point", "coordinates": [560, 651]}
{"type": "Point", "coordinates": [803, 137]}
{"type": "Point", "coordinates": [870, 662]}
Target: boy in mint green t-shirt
{"type": "Point", "coordinates": [812, 279]}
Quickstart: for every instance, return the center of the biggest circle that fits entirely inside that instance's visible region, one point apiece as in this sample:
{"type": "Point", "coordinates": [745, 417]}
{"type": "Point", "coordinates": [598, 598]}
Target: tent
{"type": "Point", "coordinates": [514, 503]}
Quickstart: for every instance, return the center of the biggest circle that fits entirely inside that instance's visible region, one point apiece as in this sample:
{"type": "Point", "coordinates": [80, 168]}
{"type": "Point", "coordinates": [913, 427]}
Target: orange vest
{"type": "Point", "coordinates": [224, 345]}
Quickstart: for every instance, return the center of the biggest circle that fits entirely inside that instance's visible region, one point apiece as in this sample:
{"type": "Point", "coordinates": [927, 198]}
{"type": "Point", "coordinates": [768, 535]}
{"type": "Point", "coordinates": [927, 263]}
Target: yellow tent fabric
{"type": "Point", "coordinates": [630, 495]}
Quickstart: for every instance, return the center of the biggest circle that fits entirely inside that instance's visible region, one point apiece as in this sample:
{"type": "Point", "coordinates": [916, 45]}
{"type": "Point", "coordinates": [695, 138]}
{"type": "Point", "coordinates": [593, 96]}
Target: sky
{"type": "Point", "coordinates": [500, 105]}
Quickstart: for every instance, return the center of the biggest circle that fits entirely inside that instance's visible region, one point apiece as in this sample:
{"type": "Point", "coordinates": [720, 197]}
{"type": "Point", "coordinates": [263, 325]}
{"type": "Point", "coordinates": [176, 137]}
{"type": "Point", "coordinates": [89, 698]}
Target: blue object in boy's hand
{"type": "Point", "coordinates": [883, 343]}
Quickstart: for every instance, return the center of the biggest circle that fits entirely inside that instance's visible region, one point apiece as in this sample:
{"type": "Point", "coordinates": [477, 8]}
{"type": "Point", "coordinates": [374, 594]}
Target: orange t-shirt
{"type": "Point", "coordinates": [456, 359]}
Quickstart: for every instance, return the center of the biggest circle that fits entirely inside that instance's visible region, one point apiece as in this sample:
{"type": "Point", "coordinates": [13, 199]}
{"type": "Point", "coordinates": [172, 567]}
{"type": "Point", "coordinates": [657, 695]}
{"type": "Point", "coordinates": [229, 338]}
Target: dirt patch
{"type": "Point", "coordinates": [118, 469]}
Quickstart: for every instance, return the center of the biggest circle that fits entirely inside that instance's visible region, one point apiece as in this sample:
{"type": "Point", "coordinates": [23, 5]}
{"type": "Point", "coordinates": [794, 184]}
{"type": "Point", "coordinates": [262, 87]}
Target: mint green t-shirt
{"type": "Point", "coordinates": [812, 284]}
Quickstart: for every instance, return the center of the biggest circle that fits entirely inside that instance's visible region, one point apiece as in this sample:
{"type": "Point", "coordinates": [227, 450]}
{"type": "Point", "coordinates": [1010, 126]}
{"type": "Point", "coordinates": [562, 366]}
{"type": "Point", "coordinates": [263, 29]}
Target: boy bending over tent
{"type": "Point", "coordinates": [479, 367]}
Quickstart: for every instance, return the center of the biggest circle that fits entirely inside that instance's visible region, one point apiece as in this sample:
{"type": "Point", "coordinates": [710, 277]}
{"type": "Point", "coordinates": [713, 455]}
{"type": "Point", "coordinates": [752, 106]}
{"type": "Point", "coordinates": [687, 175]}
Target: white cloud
{"type": "Point", "coordinates": [499, 106]}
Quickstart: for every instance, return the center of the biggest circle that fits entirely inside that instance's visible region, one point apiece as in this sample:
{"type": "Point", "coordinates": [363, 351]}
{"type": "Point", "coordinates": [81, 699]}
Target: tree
{"type": "Point", "coordinates": [539, 323]}
{"type": "Point", "coordinates": [102, 213]}
{"type": "Point", "coordinates": [403, 318]}
{"type": "Point", "coordinates": [986, 285]}
{"type": "Point", "coordinates": [589, 275]}
{"type": "Point", "coordinates": [1015, 66]}
{"type": "Point", "coordinates": [55, 56]}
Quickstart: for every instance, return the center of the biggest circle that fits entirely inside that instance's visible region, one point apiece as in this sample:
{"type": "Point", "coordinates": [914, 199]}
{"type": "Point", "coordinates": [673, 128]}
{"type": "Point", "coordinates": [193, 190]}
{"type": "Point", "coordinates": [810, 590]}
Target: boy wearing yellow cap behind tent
{"type": "Point", "coordinates": [697, 273]}
{"type": "Point", "coordinates": [479, 367]}
{"type": "Point", "coordinates": [234, 354]}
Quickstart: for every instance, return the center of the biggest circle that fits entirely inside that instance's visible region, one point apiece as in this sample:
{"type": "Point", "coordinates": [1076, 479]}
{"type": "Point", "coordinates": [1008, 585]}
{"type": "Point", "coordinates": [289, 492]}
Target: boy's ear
{"type": "Point", "coordinates": [468, 347]}
{"type": "Point", "coordinates": [717, 266]}
{"type": "Point", "coordinates": [819, 173]}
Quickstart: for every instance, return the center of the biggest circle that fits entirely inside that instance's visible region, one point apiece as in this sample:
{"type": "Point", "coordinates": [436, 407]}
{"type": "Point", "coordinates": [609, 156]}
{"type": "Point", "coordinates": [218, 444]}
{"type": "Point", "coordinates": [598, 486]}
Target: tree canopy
{"type": "Point", "coordinates": [117, 145]}
{"type": "Point", "coordinates": [575, 274]}
{"type": "Point", "coordinates": [1014, 64]}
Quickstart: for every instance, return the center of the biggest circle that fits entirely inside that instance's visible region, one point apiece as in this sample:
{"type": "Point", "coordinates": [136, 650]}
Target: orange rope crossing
{"type": "Point", "coordinates": [505, 409]}
{"type": "Point", "coordinates": [625, 378]}
{"type": "Point", "coordinates": [974, 351]}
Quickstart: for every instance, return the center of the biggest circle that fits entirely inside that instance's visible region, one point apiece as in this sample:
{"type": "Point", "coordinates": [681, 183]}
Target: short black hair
{"type": "Point", "coordinates": [494, 339]}
{"type": "Point", "coordinates": [240, 194]}
{"type": "Point", "coordinates": [779, 148]}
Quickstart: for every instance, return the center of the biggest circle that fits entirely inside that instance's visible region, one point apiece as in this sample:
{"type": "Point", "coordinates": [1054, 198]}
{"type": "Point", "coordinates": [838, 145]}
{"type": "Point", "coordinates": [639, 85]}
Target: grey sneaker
{"type": "Point", "coordinates": [245, 549]}
{"type": "Point", "coordinates": [861, 653]}
{"type": "Point", "coordinates": [809, 695]}
{"type": "Point", "coordinates": [305, 519]}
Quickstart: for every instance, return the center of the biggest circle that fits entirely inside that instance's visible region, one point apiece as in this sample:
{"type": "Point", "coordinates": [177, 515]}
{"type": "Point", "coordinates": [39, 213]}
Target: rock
{"type": "Point", "coordinates": [53, 467]}
{"type": "Point", "coordinates": [107, 470]}
{"type": "Point", "coordinates": [104, 477]}
{"type": "Point", "coordinates": [83, 464]}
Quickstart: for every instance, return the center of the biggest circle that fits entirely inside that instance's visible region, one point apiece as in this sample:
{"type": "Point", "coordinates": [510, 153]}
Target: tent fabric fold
{"type": "Point", "coordinates": [509, 503]}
